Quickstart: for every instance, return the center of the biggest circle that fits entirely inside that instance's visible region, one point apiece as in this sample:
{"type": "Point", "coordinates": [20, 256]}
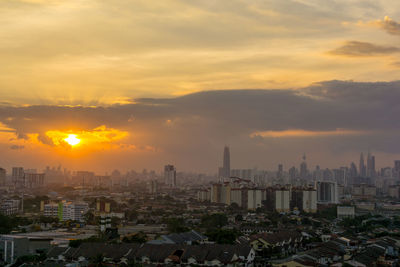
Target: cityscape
{"type": "Point", "coordinates": [296, 216]}
{"type": "Point", "coordinates": [239, 133]}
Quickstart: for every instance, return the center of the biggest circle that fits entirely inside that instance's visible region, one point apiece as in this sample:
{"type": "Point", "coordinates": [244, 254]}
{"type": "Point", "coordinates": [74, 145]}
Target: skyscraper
{"type": "Point", "coordinates": [353, 170]}
{"type": "Point", "coordinates": [303, 168]}
{"type": "Point", "coordinates": [170, 175]}
{"type": "Point", "coordinates": [225, 171]}
{"type": "Point", "coordinates": [280, 171]}
{"type": "Point", "coordinates": [362, 170]}
{"type": "Point", "coordinates": [396, 169]}
{"type": "Point", "coordinates": [2, 177]}
{"type": "Point", "coordinates": [370, 165]}
{"type": "Point", "coordinates": [18, 176]}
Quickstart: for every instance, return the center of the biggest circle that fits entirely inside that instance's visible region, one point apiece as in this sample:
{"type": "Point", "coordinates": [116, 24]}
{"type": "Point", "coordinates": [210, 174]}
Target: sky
{"type": "Point", "coordinates": [147, 83]}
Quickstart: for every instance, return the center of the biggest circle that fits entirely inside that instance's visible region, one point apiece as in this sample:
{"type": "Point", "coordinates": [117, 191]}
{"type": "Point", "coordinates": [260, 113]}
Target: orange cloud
{"type": "Point", "coordinates": [100, 136]}
{"type": "Point", "coordinates": [305, 133]}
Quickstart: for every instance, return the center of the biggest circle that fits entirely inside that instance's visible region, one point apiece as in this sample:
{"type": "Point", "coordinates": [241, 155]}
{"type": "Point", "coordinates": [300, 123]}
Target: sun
{"type": "Point", "coordinates": [72, 140]}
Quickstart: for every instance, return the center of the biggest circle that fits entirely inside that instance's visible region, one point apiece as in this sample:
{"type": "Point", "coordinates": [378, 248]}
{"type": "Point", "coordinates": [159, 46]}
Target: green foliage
{"type": "Point", "coordinates": [98, 261]}
{"type": "Point", "coordinates": [222, 236]}
{"type": "Point", "coordinates": [138, 238]}
{"type": "Point", "coordinates": [8, 223]}
{"type": "Point", "coordinates": [238, 218]}
{"type": "Point", "coordinates": [45, 219]}
{"type": "Point", "coordinates": [327, 213]}
{"type": "Point", "coordinates": [90, 218]}
{"type": "Point", "coordinates": [213, 221]}
{"type": "Point", "coordinates": [176, 225]}
{"type": "Point", "coordinates": [5, 224]}
{"type": "Point", "coordinates": [33, 204]}
{"type": "Point", "coordinates": [30, 259]}
{"type": "Point", "coordinates": [93, 239]}
{"type": "Point", "coordinates": [131, 215]}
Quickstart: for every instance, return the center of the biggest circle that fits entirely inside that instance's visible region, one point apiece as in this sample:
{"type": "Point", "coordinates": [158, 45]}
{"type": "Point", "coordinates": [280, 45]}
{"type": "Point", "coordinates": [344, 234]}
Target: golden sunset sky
{"type": "Point", "coordinates": [138, 81]}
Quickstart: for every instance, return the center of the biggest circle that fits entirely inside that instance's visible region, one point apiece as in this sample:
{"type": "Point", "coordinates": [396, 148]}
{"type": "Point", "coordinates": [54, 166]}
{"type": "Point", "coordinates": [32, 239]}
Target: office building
{"type": "Point", "coordinates": [225, 170]}
{"type": "Point", "coordinates": [361, 168]}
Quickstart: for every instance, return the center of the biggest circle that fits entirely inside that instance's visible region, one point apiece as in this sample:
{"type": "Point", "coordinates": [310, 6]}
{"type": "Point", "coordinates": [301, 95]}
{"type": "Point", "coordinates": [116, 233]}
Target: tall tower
{"type": "Point", "coordinates": [303, 168]}
{"type": "Point", "coordinates": [370, 165]}
{"type": "Point", "coordinates": [362, 170]}
{"type": "Point", "coordinates": [225, 170]}
{"type": "Point", "coordinates": [227, 162]}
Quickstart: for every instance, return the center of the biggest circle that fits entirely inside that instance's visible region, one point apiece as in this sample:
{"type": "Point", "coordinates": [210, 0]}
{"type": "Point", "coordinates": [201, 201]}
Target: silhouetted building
{"type": "Point", "coordinates": [225, 170]}
{"type": "Point", "coordinates": [362, 169]}
{"type": "Point", "coordinates": [3, 177]}
{"type": "Point", "coordinates": [303, 168]}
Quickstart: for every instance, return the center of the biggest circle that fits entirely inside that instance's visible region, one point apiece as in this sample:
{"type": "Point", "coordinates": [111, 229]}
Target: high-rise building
{"type": "Point", "coordinates": [353, 170]}
{"type": "Point", "coordinates": [18, 176]}
{"type": "Point", "coordinates": [327, 192]}
{"type": "Point", "coordinates": [370, 165]}
{"type": "Point", "coordinates": [152, 187]}
{"type": "Point", "coordinates": [3, 177]}
{"type": "Point", "coordinates": [33, 180]}
{"type": "Point", "coordinates": [225, 170]}
{"type": "Point", "coordinates": [362, 169]}
{"type": "Point", "coordinates": [303, 168]}
{"type": "Point", "coordinates": [170, 175]}
{"type": "Point", "coordinates": [292, 173]}
{"type": "Point", "coordinates": [304, 199]}
{"type": "Point", "coordinates": [396, 169]}
{"type": "Point", "coordinates": [279, 174]}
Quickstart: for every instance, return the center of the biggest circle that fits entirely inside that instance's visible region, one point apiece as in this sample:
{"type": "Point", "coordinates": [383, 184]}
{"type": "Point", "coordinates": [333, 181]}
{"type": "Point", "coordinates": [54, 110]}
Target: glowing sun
{"type": "Point", "coordinates": [72, 140]}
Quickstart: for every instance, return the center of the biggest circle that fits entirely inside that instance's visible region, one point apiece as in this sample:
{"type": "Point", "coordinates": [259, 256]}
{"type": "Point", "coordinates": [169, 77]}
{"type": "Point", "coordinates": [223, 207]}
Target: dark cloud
{"type": "Point", "coordinates": [17, 147]}
{"type": "Point", "coordinates": [189, 129]}
{"type": "Point", "coordinates": [363, 49]}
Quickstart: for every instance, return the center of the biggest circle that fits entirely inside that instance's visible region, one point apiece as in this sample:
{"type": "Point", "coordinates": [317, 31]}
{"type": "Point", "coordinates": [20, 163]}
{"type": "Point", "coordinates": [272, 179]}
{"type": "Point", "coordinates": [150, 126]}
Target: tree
{"type": "Point", "coordinates": [176, 225]}
{"type": "Point", "coordinates": [98, 261]}
{"type": "Point", "coordinates": [239, 218]}
{"type": "Point", "coordinates": [5, 224]}
{"type": "Point", "coordinates": [137, 238]}
{"type": "Point", "coordinates": [222, 236]}
{"type": "Point", "coordinates": [213, 221]}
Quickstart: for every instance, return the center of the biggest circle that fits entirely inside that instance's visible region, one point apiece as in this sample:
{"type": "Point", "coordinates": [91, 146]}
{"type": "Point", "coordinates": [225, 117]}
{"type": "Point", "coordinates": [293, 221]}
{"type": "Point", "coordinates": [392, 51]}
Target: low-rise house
{"type": "Point", "coordinates": [151, 254]}
{"type": "Point", "coordinates": [282, 243]}
{"type": "Point", "coordinates": [181, 238]}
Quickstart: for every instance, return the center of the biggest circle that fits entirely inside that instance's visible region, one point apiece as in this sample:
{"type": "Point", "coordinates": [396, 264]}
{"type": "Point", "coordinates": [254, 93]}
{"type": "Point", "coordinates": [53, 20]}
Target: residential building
{"type": "Point", "coordinates": [327, 192]}
{"type": "Point", "coordinates": [170, 175]}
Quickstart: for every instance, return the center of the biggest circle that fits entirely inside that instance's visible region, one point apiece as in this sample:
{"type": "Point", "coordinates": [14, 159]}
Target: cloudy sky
{"type": "Point", "coordinates": [144, 83]}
